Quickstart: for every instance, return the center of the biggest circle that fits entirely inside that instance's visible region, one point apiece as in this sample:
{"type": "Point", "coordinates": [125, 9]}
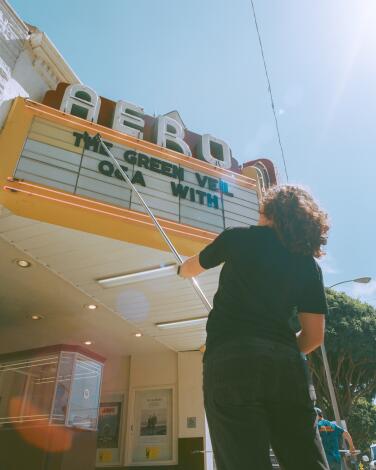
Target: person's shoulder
{"type": "Point", "coordinates": [257, 231]}
{"type": "Point", "coordinates": [338, 428]}
{"type": "Point", "coordinates": [309, 266]}
{"type": "Point", "coordinates": [252, 231]}
{"type": "Point", "coordinates": [236, 231]}
{"type": "Point", "coordinates": [325, 424]}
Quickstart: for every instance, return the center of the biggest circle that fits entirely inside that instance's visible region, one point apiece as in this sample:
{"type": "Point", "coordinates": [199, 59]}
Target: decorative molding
{"type": "Point", "coordinates": [48, 61]}
{"type": "Point", "coordinates": [11, 25]}
{"type": "Point", "coordinates": [13, 34]}
{"type": "Point", "coordinates": [4, 76]}
{"type": "Point", "coordinates": [176, 116]}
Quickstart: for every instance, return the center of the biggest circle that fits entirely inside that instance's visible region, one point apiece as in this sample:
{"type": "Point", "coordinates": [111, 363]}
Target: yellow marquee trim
{"type": "Point", "coordinates": [57, 207]}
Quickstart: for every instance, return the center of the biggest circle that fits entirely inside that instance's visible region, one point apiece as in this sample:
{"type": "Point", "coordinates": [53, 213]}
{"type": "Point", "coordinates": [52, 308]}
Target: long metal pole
{"type": "Point", "coordinates": [179, 259]}
{"type": "Point", "coordinates": [332, 394]}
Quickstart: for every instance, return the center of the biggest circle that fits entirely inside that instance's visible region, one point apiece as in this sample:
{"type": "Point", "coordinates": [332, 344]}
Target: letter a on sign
{"type": "Point", "coordinates": [81, 101]}
{"type": "Point", "coordinates": [170, 133]}
{"type": "Point", "coordinates": [214, 151]}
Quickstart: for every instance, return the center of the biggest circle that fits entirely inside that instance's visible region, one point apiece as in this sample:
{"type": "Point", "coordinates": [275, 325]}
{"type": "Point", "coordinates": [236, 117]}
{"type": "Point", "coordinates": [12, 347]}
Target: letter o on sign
{"type": "Point", "coordinates": [214, 151]}
{"type": "Point", "coordinates": [106, 168]}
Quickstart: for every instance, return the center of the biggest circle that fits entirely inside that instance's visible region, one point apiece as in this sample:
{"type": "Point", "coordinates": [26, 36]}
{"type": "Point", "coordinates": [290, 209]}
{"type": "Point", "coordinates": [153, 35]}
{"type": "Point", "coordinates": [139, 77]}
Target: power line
{"type": "Point", "coordinates": [270, 91]}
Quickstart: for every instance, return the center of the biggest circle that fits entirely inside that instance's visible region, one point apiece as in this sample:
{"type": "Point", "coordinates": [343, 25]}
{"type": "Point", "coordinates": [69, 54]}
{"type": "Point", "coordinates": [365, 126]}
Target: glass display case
{"type": "Point", "coordinates": [58, 385]}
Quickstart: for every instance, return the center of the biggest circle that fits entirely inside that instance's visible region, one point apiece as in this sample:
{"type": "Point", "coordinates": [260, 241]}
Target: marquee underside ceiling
{"type": "Point", "coordinates": [62, 278]}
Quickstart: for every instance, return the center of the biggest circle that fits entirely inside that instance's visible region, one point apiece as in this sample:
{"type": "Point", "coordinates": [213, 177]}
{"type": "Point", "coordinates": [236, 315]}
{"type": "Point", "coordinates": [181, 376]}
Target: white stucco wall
{"type": "Point", "coordinates": [30, 64]}
{"type": "Point", "coordinates": [191, 402]}
{"type": "Point", "coordinates": [13, 37]}
{"type": "Point", "coordinates": [28, 78]}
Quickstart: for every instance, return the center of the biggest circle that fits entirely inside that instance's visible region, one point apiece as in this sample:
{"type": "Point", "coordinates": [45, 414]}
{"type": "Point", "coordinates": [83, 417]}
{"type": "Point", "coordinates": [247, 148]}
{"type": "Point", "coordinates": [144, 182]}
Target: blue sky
{"type": "Point", "coordinates": [203, 59]}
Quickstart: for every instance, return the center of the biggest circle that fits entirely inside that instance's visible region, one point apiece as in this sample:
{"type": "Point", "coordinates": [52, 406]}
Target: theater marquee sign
{"type": "Point", "coordinates": [59, 161]}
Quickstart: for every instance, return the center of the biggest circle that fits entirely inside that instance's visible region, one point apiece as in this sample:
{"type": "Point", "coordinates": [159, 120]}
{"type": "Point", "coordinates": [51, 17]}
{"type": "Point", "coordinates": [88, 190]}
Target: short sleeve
{"type": "Point", "coordinates": [339, 431]}
{"type": "Point", "coordinates": [217, 251]}
{"type": "Point", "coordinates": [311, 296]}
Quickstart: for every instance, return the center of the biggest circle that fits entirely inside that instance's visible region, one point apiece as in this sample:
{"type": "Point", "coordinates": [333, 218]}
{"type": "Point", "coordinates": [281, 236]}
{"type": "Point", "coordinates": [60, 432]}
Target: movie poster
{"type": "Point", "coordinates": [153, 426]}
{"type": "Point", "coordinates": [108, 446]}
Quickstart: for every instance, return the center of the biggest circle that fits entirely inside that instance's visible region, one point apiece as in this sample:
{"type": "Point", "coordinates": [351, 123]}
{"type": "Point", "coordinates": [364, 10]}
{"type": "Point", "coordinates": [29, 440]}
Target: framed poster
{"type": "Point", "coordinates": [152, 429]}
{"type": "Point", "coordinates": [109, 433]}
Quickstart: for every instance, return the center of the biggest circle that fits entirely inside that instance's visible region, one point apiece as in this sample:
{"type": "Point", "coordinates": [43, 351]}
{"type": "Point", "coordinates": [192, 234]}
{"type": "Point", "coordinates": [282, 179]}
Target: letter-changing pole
{"type": "Point", "coordinates": [179, 259]}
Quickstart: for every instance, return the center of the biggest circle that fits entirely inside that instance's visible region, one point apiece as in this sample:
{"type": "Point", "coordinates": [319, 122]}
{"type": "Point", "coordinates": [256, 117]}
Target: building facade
{"type": "Point", "coordinates": [84, 267]}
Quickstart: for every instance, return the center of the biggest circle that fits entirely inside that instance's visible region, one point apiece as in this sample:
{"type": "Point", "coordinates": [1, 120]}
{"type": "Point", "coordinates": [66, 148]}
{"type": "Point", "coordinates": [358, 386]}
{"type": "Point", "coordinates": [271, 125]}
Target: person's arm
{"type": "Point", "coordinates": [191, 267]}
{"type": "Point", "coordinates": [312, 306]}
{"type": "Point", "coordinates": [211, 256]}
{"type": "Point", "coordinates": [311, 336]}
{"type": "Point", "coordinates": [348, 439]}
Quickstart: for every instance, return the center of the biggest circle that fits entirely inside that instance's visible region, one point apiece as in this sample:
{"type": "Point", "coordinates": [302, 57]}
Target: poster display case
{"type": "Point", "coordinates": [153, 427]}
{"type": "Point", "coordinates": [49, 407]}
{"type": "Point", "coordinates": [58, 385]}
{"type": "Point", "coordinates": [110, 430]}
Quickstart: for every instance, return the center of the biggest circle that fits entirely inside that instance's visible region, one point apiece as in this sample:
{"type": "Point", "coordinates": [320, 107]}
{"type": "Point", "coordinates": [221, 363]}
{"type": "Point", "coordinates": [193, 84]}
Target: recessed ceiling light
{"type": "Point", "coordinates": [23, 263]}
{"type": "Point", "coordinates": [138, 335]}
{"type": "Point", "coordinates": [36, 317]}
{"type": "Point", "coordinates": [91, 306]}
{"type": "Point", "coordinates": [88, 343]}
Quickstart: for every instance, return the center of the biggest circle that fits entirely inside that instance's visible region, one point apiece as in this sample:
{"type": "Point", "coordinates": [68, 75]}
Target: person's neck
{"type": "Point", "coordinates": [264, 221]}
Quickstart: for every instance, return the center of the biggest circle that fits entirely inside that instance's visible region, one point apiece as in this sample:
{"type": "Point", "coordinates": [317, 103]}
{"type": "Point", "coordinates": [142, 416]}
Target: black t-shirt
{"type": "Point", "coordinates": [260, 286]}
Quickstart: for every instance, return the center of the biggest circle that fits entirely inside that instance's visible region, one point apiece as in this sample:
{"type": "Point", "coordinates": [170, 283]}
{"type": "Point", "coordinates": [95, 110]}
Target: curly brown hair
{"type": "Point", "coordinates": [300, 224]}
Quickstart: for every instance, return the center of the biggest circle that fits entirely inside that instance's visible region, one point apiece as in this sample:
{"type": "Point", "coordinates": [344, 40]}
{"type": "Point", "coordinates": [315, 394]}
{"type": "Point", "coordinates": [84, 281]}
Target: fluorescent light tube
{"type": "Point", "coordinates": [182, 323]}
{"type": "Point", "coordinates": [138, 276]}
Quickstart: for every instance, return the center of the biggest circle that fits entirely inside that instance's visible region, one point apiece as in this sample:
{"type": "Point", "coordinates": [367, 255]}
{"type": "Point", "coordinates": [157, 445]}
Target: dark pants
{"type": "Point", "coordinates": [256, 396]}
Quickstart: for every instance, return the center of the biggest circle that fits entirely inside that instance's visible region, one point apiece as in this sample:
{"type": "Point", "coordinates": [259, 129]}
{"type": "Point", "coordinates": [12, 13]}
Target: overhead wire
{"type": "Point", "coordinates": [270, 91]}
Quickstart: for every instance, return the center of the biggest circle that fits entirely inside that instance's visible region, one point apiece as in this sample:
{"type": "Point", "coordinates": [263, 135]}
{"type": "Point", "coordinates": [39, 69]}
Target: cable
{"type": "Point", "coordinates": [270, 91]}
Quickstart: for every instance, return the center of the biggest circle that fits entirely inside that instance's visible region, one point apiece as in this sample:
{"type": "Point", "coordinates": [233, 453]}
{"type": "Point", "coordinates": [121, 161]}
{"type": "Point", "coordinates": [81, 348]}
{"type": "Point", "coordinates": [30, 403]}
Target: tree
{"type": "Point", "coordinates": [350, 342]}
{"type": "Point", "coordinates": [362, 423]}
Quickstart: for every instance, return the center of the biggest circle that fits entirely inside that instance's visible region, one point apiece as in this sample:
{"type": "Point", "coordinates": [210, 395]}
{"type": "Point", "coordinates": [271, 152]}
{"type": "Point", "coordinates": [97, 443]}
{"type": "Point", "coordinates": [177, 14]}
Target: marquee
{"type": "Point", "coordinates": [52, 155]}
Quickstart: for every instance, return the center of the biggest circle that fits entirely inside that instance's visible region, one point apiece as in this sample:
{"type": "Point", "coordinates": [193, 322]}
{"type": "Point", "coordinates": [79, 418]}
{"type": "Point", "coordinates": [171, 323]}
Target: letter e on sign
{"type": "Point", "coordinates": [128, 118]}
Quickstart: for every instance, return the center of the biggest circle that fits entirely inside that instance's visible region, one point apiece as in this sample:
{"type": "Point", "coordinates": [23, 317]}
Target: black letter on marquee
{"type": "Point", "coordinates": [102, 150]}
{"type": "Point", "coordinates": [202, 181]}
{"type": "Point", "coordinates": [78, 138]}
{"type": "Point", "coordinates": [119, 175]}
{"type": "Point", "coordinates": [223, 187]}
{"type": "Point", "coordinates": [179, 190]}
{"type": "Point", "coordinates": [138, 178]}
{"type": "Point", "coordinates": [143, 161]}
{"type": "Point", "coordinates": [90, 142]}
{"type": "Point", "coordinates": [212, 184]}
{"type": "Point", "coordinates": [201, 196]}
{"type": "Point", "coordinates": [130, 157]}
{"type": "Point", "coordinates": [178, 172]}
{"type": "Point", "coordinates": [192, 194]}
{"type": "Point", "coordinates": [106, 168]}
{"type": "Point", "coordinates": [212, 200]}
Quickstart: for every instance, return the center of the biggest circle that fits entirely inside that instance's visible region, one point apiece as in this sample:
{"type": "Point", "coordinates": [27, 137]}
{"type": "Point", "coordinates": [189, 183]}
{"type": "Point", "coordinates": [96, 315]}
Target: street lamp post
{"type": "Point", "coordinates": [333, 399]}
